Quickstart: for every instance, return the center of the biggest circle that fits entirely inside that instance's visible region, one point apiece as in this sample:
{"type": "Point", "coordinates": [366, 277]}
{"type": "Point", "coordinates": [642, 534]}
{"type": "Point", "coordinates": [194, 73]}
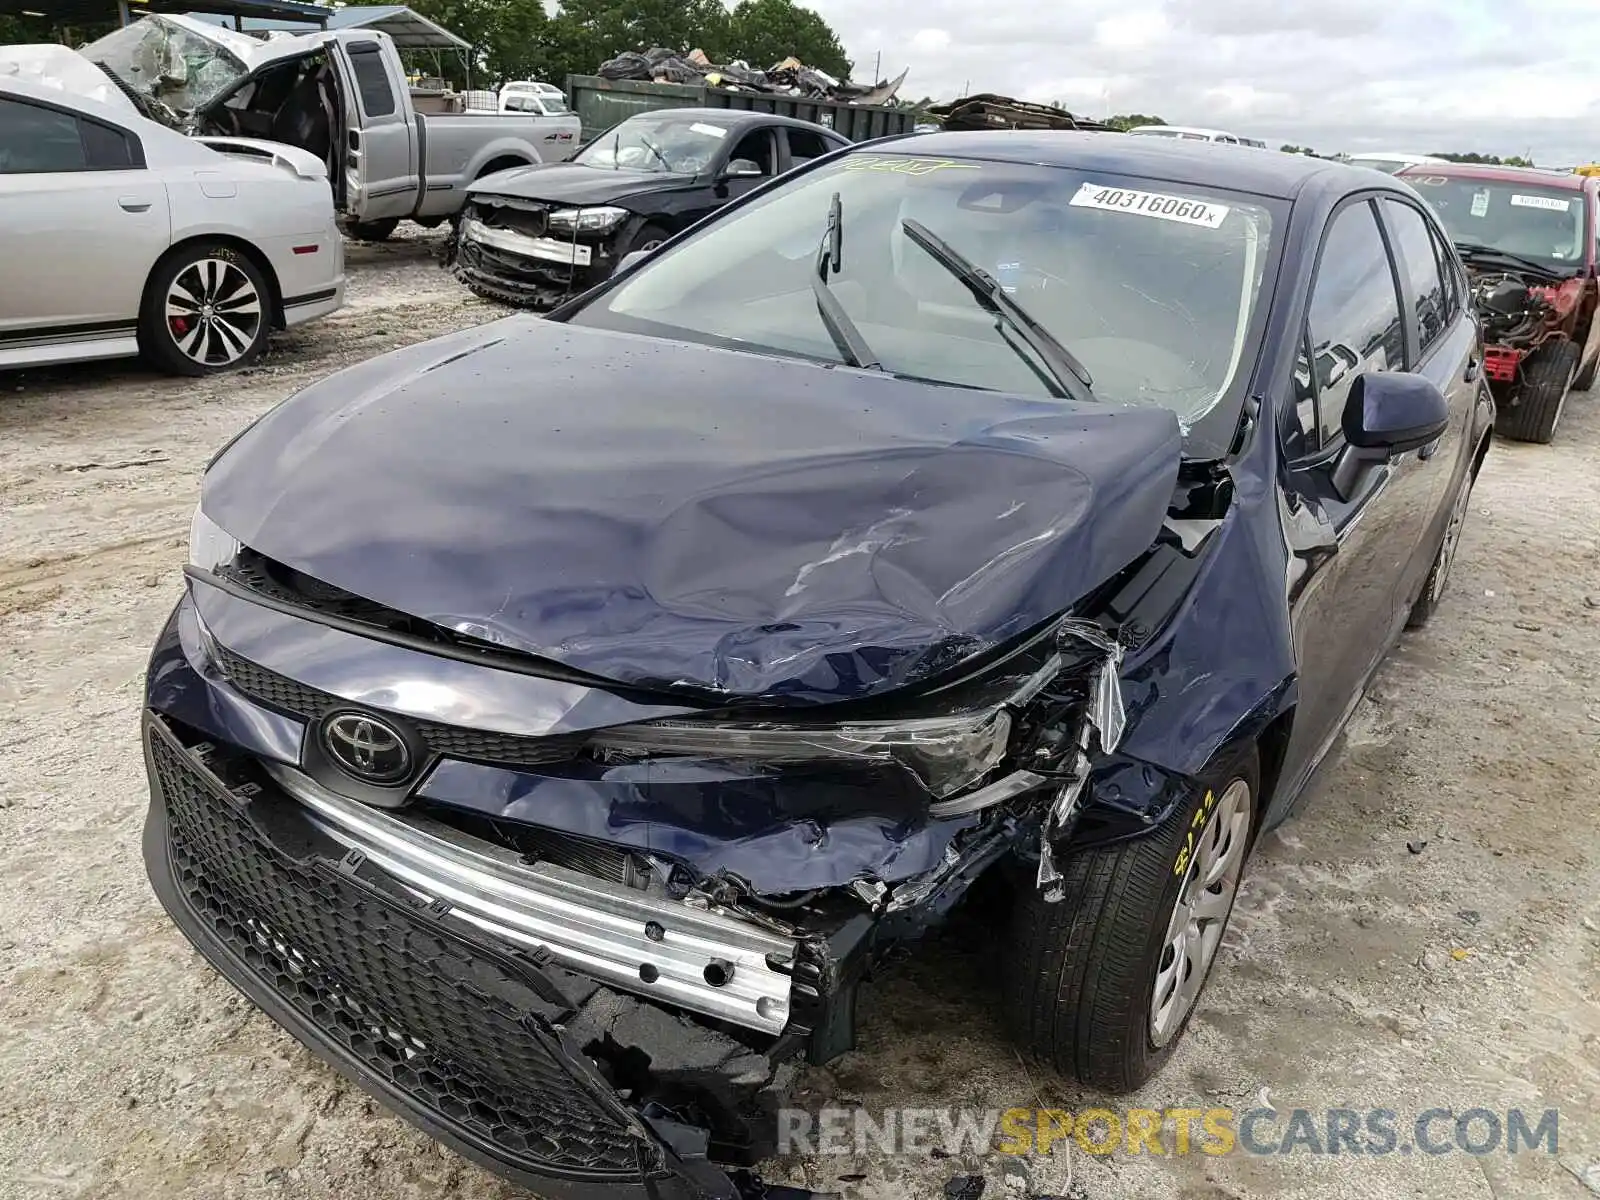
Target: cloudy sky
{"type": "Point", "coordinates": [1497, 76]}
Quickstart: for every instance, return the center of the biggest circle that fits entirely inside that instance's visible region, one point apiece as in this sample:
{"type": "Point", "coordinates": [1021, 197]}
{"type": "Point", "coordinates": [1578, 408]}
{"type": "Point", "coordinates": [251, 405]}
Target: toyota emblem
{"type": "Point", "coordinates": [366, 748]}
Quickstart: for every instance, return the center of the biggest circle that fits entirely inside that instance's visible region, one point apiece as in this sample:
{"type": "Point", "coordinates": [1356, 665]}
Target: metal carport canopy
{"type": "Point", "coordinates": [410, 30]}
{"type": "Point", "coordinates": [88, 11]}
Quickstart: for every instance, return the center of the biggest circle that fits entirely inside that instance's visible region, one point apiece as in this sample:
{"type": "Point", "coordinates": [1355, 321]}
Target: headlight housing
{"type": "Point", "coordinates": [950, 740]}
{"type": "Point", "coordinates": [946, 753]}
{"type": "Point", "coordinates": [209, 546]}
{"type": "Point", "coordinates": [588, 220]}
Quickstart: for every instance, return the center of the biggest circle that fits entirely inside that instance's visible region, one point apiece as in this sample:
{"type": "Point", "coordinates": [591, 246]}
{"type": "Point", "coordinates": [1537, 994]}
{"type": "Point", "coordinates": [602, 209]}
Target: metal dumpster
{"type": "Point", "coordinates": [601, 103]}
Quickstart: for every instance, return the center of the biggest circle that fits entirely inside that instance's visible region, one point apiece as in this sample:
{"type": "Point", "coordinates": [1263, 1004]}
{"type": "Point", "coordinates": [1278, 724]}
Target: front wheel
{"type": "Point", "coordinates": [1439, 576]}
{"type": "Point", "coordinates": [374, 231]}
{"type": "Point", "coordinates": [1547, 379]}
{"type": "Point", "coordinates": [206, 309]}
{"type": "Point", "coordinates": [1102, 983]}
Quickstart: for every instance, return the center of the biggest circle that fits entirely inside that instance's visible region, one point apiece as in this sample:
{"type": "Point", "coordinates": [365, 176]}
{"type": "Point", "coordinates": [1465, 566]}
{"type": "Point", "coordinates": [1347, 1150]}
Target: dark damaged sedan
{"type": "Point", "coordinates": [534, 236]}
{"type": "Point", "coordinates": [556, 751]}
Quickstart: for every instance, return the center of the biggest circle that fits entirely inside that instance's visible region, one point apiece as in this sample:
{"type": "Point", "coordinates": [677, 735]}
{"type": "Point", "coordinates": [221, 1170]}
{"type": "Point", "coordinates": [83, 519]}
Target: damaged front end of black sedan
{"type": "Point", "coordinates": [534, 254]}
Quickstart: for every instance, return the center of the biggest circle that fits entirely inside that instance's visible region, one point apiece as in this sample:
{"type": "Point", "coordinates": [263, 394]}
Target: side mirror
{"type": "Point", "coordinates": [1385, 414]}
{"type": "Point", "coordinates": [741, 168]}
{"type": "Point", "coordinates": [1392, 412]}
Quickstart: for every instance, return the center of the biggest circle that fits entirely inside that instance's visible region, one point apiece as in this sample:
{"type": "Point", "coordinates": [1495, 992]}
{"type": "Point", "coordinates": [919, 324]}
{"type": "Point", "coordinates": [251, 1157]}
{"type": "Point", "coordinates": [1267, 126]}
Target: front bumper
{"type": "Point", "coordinates": [480, 1044]}
{"type": "Point", "coordinates": [527, 271]}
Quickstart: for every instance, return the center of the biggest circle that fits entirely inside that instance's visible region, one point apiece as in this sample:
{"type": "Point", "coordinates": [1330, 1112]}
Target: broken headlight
{"type": "Point", "coordinates": [588, 220]}
{"type": "Point", "coordinates": [209, 546]}
{"type": "Point", "coordinates": [951, 739]}
{"type": "Point", "coordinates": [946, 753]}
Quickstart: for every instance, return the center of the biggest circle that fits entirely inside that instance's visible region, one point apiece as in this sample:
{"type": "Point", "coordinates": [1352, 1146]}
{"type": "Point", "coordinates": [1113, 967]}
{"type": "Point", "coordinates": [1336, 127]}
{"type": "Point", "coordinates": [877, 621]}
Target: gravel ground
{"type": "Point", "coordinates": [1358, 973]}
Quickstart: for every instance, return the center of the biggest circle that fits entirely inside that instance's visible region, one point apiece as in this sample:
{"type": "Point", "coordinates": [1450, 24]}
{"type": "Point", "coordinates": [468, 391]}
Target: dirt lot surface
{"type": "Point", "coordinates": [1358, 974]}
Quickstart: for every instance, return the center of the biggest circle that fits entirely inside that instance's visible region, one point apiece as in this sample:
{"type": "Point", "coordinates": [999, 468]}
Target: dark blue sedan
{"type": "Point", "coordinates": [563, 716]}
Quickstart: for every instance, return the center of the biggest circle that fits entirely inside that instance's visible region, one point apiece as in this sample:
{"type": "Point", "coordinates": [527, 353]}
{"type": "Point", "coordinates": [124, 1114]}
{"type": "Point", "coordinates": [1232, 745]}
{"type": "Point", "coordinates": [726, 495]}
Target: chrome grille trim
{"type": "Point", "coordinates": [586, 924]}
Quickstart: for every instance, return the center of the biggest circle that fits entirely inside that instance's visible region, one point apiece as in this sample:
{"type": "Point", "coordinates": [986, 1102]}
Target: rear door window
{"type": "Point", "coordinates": [372, 79]}
{"type": "Point", "coordinates": [36, 138]}
{"type": "Point", "coordinates": [1420, 261]}
{"type": "Point", "coordinates": [804, 145]}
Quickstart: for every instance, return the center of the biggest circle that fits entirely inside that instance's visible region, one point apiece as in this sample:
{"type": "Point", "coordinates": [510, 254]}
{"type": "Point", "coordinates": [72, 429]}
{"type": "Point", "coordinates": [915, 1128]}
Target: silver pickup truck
{"type": "Point", "coordinates": [341, 95]}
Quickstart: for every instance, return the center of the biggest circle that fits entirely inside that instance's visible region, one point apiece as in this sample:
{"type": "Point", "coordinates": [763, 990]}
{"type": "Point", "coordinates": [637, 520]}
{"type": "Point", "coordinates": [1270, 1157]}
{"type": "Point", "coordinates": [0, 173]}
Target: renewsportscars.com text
{"type": "Point", "coordinates": [1172, 1131]}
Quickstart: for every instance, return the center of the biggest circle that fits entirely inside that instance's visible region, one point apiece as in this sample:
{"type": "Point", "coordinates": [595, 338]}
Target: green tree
{"type": "Point", "coordinates": [764, 32]}
{"type": "Point", "coordinates": [510, 38]}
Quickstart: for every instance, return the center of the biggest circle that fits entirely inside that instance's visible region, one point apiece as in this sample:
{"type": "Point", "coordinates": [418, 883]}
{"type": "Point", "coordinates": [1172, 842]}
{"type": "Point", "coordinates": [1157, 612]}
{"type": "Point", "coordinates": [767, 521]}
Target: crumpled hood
{"type": "Point", "coordinates": [572, 183]}
{"type": "Point", "coordinates": [658, 512]}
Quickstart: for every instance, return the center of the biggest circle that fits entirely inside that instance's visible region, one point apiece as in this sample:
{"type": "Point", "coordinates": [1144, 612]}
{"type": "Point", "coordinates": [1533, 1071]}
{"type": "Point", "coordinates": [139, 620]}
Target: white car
{"type": "Point", "coordinates": [1194, 133]}
{"type": "Point", "coordinates": [121, 236]}
{"type": "Point", "coordinates": [1389, 163]}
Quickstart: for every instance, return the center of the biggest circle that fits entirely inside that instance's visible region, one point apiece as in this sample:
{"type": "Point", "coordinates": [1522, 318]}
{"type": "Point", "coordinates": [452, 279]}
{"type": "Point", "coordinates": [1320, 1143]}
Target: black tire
{"type": "Point", "coordinates": [182, 345]}
{"type": "Point", "coordinates": [1438, 580]}
{"type": "Point", "coordinates": [1535, 408]}
{"type": "Point", "coordinates": [1080, 974]}
{"type": "Point", "coordinates": [374, 231]}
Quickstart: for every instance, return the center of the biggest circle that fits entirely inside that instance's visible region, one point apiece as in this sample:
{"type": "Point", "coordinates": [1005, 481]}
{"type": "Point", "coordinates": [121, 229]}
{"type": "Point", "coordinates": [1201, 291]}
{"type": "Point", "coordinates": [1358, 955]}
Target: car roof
{"type": "Point", "coordinates": [1200, 164]}
{"type": "Point", "coordinates": [731, 117]}
{"type": "Point", "coordinates": [119, 110]}
{"type": "Point", "coordinates": [1489, 172]}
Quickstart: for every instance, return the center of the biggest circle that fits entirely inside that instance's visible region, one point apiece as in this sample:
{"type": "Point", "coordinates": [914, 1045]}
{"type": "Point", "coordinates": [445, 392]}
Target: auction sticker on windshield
{"type": "Point", "coordinates": [1150, 204]}
{"type": "Point", "coordinates": [1553, 203]}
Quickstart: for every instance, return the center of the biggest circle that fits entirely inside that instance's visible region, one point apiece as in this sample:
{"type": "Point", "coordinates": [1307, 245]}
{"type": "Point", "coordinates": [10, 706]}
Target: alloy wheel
{"type": "Point", "coordinates": [1452, 536]}
{"type": "Point", "coordinates": [213, 312]}
{"type": "Point", "coordinates": [1200, 913]}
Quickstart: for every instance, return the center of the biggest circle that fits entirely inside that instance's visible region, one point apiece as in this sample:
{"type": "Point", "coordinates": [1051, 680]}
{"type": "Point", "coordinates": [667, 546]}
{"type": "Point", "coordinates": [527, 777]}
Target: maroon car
{"type": "Point", "coordinates": [1528, 240]}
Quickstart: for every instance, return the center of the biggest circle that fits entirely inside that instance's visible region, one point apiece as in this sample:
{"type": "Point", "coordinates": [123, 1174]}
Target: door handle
{"type": "Point", "coordinates": [133, 204]}
{"type": "Point", "coordinates": [1474, 366]}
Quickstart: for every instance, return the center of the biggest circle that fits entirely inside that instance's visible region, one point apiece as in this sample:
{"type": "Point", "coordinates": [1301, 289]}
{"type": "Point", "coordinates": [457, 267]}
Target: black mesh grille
{"type": "Point", "coordinates": [451, 741]}
{"type": "Point", "coordinates": [448, 1027]}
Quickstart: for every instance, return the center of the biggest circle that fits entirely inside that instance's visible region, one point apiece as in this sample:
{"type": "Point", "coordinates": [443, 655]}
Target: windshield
{"type": "Point", "coordinates": [164, 62]}
{"type": "Point", "coordinates": [1169, 133]}
{"type": "Point", "coordinates": [657, 142]}
{"type": "Point", "coordinates": [1152, 287]}
{"type": "Point", "coordinates": [1544, 224]}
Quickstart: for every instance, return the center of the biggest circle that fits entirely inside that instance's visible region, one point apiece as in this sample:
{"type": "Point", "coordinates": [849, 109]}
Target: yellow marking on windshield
{"type": "Point", "coordinates": [898, 165]}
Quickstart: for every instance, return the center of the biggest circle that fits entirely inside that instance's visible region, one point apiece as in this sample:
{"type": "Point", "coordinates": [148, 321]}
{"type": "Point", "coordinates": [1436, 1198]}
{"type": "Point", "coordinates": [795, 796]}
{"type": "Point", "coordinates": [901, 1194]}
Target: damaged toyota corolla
{"type": "Point", "coordinates": [563, 717]}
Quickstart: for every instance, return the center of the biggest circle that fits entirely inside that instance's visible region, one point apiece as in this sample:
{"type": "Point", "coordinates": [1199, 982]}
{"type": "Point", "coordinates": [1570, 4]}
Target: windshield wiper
{"type": "Point", "coordinates": [846, 337]}
{"type": "Point", "coordinates": [1065, 372]}
{"type": "Point", "coordinates": [1481, 250]}
{"type": "Point", "coordinates": [656, 150]}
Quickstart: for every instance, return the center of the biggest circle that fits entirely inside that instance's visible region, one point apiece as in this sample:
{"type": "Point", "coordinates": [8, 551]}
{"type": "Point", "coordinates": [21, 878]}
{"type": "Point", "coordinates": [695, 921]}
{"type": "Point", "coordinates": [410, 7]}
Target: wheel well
{"type": "Point", "coordinates": [503, 163]}
{"type": "Point", "coordinates": [257, 260]}
{"type": "Point", "coordinates": [1481, 453]}
{"type": "Point", "coordinates": [1272, 747]}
